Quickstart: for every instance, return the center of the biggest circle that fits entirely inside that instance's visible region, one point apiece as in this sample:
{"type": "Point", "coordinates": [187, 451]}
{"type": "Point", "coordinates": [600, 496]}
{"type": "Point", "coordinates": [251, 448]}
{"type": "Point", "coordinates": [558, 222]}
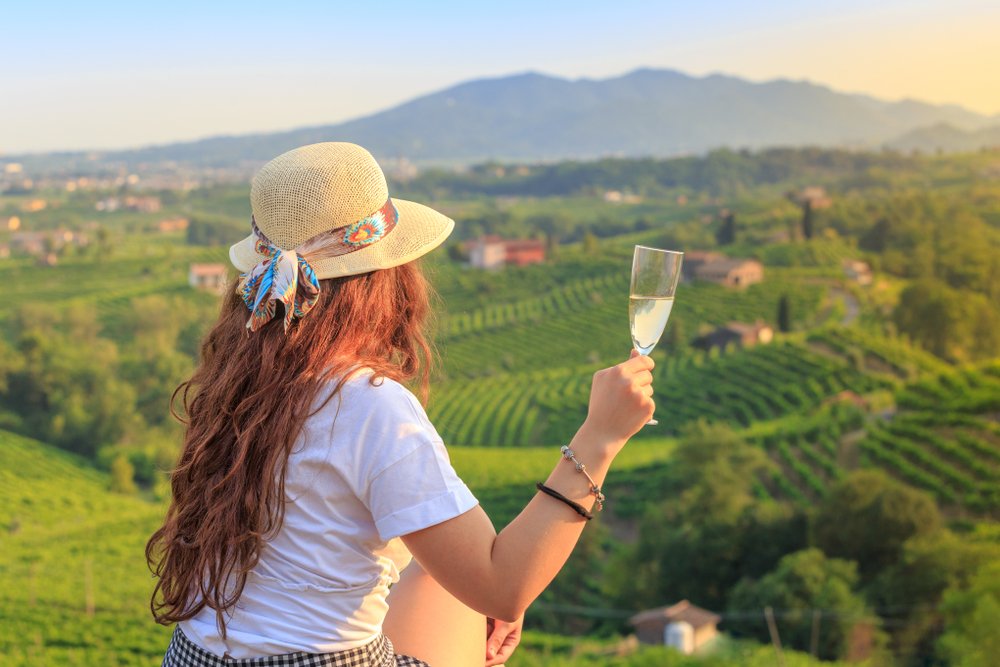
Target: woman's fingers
{"type": "Point", "coordinates": [503, 639]}
{"type": "Point", "coordinates": [506, 649]}
{"type": "Point", "coordinates": [638, 362]}
{"type": "Point", "coordinates": [643, 378]}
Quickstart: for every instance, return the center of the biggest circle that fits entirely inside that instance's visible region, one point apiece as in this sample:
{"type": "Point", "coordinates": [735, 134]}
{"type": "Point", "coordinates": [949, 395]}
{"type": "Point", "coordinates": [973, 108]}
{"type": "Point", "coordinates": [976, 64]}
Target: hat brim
{"type": "Point", "coordinates": [418, 230]}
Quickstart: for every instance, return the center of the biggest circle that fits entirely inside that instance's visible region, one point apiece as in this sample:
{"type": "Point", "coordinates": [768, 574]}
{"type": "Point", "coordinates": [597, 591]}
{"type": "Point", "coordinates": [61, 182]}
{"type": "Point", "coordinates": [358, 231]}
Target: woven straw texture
{"type": "Point", "coordinates": [313, 189]}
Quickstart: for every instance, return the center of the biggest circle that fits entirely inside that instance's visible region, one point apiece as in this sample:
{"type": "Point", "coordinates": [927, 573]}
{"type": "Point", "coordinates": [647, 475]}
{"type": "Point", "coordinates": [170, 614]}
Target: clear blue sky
{"type": "Point", "coordinates": [110, 74]}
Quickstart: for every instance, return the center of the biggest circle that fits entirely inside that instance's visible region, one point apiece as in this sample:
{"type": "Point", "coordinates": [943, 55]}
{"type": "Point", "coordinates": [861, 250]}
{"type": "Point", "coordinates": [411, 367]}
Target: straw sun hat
{"type": "Point", "coordinates": [324, 211]}
{"type": "Point", "coordinates": [321, 187]}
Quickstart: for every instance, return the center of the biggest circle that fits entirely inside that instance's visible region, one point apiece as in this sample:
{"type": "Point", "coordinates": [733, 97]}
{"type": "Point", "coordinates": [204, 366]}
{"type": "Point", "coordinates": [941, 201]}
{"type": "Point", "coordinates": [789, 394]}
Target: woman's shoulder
{"type": "Point", "coordinates": [377, 396]}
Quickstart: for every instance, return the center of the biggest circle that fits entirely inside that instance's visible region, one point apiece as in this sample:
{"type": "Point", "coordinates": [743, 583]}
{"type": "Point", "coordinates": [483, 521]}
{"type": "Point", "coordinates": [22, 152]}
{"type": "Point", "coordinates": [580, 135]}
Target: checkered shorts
{"type": "Point", "coordinates": [182, 652]}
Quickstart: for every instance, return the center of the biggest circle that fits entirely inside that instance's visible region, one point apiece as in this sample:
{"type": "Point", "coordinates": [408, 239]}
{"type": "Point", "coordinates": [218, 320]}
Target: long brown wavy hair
{"type": "Point", "coordinates": [243, 408]}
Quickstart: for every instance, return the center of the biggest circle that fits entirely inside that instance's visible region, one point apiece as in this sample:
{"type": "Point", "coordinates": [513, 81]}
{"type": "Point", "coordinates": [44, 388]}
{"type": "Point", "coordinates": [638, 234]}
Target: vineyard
{"type": "Point", "coordinates": [587, 322]}
{"type": "Point", "coordinates": [518, 347]}
{"type": "Point", "coordinates": [739, 388]}
{"type": "Point", "coordinates": [945, 439]}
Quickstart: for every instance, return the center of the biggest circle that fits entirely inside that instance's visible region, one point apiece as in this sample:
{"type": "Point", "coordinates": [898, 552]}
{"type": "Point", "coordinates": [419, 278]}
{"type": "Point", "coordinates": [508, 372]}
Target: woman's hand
{"type": "Point", "coordinates": [621, 400]}
{"type": "Point", "coordinates": [501, 640]}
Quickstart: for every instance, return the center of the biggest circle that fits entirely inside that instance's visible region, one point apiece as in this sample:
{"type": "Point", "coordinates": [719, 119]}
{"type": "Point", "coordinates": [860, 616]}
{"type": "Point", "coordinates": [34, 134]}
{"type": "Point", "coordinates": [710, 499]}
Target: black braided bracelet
{"type": "Point", "coordinates": [577, 507]}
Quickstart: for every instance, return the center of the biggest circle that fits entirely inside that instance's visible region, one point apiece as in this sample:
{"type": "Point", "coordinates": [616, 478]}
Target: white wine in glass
{"type": "Point", "coordinates": [651, 296]}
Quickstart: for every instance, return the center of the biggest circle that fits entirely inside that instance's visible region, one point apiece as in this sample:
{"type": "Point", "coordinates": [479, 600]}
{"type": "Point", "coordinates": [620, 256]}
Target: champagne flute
{"type": "Point", "coordinates": [651, 296]}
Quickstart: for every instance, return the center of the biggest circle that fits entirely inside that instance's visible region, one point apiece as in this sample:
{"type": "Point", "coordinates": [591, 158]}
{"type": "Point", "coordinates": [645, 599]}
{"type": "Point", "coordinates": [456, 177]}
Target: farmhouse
{"type": "Point", "coordinates": [490, 252]}
{"type": "Point", "coordinates": [739, 334]}
{"type": "Point", "coordinates": [29, 243]}
{"type": "Point", "coordinates": [683, 626]}
{"type": "Point", "coordinates": [815, 195]}
{"type": "Point", "coordinates": [695, 259]}
{"type": "Point", "coordinates": [168, 225]}
{"type": "Point", "coordinates": [47, 259]}
{"type": "Point", "coordinates": [858, 271]}
{"type": "Point", "coordinates": [210, 277]}
{"type": "Point", "coordinates": [731, 272]}
{"type": "Point", "coordinates": [34, 205]}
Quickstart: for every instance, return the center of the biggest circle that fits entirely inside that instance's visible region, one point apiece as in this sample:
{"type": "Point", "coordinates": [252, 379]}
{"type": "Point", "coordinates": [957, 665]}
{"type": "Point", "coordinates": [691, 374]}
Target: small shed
{"type": "Point", "coordinates": [684, 626]}
{"type": "Point", "coordinates": [740, 334]}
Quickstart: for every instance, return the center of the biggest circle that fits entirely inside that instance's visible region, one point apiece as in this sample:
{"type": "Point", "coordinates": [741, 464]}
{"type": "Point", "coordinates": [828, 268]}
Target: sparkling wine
{"type": "Point", "coordinates": [648, 316]}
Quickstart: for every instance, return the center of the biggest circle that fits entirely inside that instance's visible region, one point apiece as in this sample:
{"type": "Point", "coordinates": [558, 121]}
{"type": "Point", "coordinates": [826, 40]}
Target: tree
{"type": "Point", "coordinates": [726, 234]}
{"type": "Point", "coordinates": [928, 565]}
{"type": "Point", "coordinates": [972, 615]}
{"type": "Point", "coordinates": [215, 230]}
{"type": "Point", "coordinates": [784, 314]}
{"type": "Point", "coordinates": [867, 517]}
{"type": "Point", "coordinates": [957, 325]}
{"type": "Point", "coordinates": [103, 247]}
{"type": "Point", "coordinates": [122, 476]}
{"type": "Point", "coordinates": [807, 220]}
{"type": "Point", "coordinates": [717, 469]}
{"type": "Point", "coordinates": [67, 393]}
{"type": "Point", "coordinates": [709, 531]}
{"type": "Point", "coordinates": [803, 581]}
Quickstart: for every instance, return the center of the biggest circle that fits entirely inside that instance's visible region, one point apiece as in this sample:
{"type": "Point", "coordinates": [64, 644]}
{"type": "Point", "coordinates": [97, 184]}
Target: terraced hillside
{"type": "Point", "coordinates": [741, 387]}
{"type": "Point", "coordinates": [945, 438]}
{"type": "Point", "coordinates": [586, 320]}
{"type": "Point", "coordinates": [814, 403]}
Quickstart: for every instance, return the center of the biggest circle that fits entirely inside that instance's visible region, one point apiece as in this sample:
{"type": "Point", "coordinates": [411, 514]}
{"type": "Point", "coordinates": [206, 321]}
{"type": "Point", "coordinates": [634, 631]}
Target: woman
{"type": "Point", "coordinates": [310, 474]}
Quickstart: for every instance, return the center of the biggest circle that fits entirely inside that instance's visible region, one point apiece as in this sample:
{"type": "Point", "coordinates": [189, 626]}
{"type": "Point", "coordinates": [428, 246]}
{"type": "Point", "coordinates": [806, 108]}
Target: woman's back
{"type": "Point", "coordinates": [281, 533]}
{"type": "Point", "coordinates": [366, 468]}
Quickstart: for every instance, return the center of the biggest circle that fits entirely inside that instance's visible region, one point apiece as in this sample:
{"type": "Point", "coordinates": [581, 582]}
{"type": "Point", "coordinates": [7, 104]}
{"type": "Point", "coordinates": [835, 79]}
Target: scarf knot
{"type": "Point", "coordinates": [282, 276]}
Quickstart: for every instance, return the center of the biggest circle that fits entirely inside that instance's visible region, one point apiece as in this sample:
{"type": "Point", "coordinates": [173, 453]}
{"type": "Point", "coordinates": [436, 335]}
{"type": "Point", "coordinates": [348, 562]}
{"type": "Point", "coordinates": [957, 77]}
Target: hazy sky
{"type": "Point", "coordinates": [108, 74]}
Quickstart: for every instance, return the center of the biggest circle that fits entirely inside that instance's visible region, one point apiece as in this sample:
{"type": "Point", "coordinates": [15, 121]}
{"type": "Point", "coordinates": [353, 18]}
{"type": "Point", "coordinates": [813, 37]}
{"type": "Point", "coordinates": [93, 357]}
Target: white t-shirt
{"type": "Point", "coordinates": [366, 469]}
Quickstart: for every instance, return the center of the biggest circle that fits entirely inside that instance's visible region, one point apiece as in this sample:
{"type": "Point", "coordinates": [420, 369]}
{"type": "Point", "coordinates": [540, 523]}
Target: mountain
{"type": "Point", "coordinates": [947, 138]}
{"type": "Point", "coordinates": [647, 112]}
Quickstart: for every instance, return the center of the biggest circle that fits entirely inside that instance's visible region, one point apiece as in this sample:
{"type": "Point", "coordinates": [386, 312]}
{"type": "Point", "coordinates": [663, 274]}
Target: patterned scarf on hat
{"type": "Point", "coordinates": [286, 276]}
{"type": "Point", "coordinates": [283, 276]}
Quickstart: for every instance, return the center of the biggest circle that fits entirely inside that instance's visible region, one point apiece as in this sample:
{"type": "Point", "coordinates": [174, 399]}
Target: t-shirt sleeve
{"type": "Point", "coordinates": [417, 487]}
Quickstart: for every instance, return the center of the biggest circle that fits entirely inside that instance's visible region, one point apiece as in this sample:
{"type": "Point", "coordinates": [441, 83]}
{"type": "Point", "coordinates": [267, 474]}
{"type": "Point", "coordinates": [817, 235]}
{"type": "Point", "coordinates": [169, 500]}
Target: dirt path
{"type": "Point", "coordinates": [851, 306]}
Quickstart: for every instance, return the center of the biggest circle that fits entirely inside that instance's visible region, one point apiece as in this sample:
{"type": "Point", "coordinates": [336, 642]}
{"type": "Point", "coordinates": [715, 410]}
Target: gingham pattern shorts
{"type": "Point", "coordinates": [182, 652]}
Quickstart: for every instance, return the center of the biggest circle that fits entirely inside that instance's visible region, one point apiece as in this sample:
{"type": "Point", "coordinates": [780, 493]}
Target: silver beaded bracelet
{"type": "Point", "coordinates": [569, 455]}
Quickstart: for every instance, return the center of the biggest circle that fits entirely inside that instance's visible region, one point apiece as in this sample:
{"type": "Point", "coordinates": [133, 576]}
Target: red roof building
{"type": "Point", "coordinates": [490, 252]}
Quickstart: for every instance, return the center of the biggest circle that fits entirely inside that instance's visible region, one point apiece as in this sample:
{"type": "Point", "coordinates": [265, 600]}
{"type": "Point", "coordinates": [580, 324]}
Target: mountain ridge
{"type": "Point", "coordinates": [648, 112]}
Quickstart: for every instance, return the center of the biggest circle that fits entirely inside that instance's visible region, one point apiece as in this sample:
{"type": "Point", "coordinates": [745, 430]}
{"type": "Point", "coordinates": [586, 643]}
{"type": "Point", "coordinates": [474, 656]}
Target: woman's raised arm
{"type": "Point", "coordinates": [499, 575]}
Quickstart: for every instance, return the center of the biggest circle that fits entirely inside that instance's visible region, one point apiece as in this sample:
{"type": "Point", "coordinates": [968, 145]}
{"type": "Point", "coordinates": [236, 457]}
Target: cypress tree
{"type": "Point", "coordinates": [784, 314]}
{"type": "Point", "coordinates": [726, 233]}
{"type": "Point", "coordinates": [807, 219]}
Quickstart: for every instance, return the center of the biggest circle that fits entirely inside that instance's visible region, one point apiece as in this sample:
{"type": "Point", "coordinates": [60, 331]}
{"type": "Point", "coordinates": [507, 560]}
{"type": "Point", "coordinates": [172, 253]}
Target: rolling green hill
{"type": "Point", "coordinates": [72, 574]}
